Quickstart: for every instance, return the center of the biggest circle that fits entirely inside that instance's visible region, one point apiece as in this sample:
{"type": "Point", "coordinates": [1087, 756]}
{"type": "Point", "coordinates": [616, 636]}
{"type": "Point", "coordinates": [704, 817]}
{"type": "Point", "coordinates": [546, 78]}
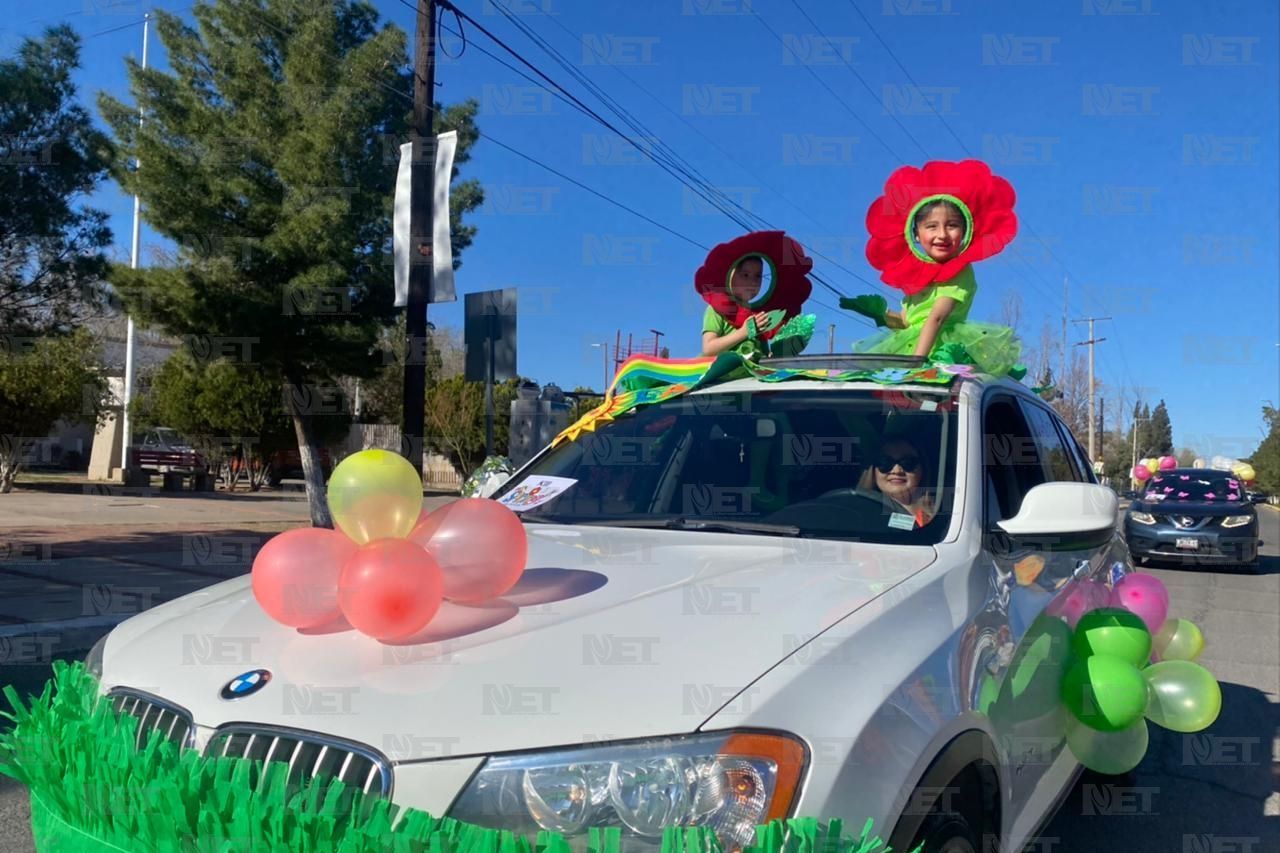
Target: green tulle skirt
{"type": "Point", "coordinates": [993, 348]}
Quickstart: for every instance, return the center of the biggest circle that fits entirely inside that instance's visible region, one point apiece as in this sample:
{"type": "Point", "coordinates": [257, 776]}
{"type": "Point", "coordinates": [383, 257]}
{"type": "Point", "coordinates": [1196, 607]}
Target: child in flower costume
{"type": "Point", "coordinates": [746, 313]}
{"type": "Point", "coordinates": [926, 230]}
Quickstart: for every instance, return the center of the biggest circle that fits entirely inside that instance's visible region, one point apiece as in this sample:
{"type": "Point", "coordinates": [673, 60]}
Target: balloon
{"type": "Point", "coordinates": [1112, 753]}
{"type": "Point", "coordinates": [390, 589]}
{"type": "Point", "coordinates": [1167, 463]}
{"type": "Point", "coordinates": [295, 575]}
{"type": "Point", "coordinates": [1140, 473]}
{"type": "Point", "coordinates": [479, 544]}
{"type": "Point", "coordinates": [1143, 595]}
{"type": "Point", "coordinates": [1033, 683]}
{"type": "Point", "coordinates": [1199, 463]}
{"type": "Point", "coordinates": [1079, 598]}
{"type": "Point", "coordinates": [1105, 693]}
{"type": "Point", "coordinates": [1177, 639]}
{"type": "Point", "coordinates": [1112, 631]}
{"type": "Point", "coordinates": [375, 494]}
{"type": "Point", "coordinates": [1153, 465]}
{"type": "Point", "coordinates": [1184, 696]}
{"type": "Point", "coordinates": [1244, 471]}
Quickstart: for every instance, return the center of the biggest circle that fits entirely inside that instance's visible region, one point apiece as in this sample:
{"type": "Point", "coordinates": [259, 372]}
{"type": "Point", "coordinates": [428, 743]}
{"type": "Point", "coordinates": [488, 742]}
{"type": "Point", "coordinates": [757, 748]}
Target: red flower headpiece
{"type": "Point", "coordinates": [986, 200]}
{"type": "Point", "coordinates": [789, 287]}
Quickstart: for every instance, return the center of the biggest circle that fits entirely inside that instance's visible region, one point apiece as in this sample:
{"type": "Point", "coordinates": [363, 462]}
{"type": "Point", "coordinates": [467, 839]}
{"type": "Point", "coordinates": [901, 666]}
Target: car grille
{"type": "Point", "coordinates": [308, 755]}
{"type": "Point", "coordinates": [153, 714]}
{"type": "Point", "coordinates": [1185, 522]}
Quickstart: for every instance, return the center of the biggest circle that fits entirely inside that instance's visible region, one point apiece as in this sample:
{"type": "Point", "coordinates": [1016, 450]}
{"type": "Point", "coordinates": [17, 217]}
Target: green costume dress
{"type": "Point", "coordinates": [791, 340]}
{"type": "Point", "coordinates": [993, 348]}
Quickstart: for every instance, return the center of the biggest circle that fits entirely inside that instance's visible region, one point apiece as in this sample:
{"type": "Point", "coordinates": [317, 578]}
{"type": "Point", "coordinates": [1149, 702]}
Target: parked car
{"type": "Point", "coordinates": [162, 451]}
{"type": "Point", "coordinates": [723, 623]}
{"type": "Point", "coordinates": [287, 465]}
{"type": "Point", "coordinates": [1193, 515]}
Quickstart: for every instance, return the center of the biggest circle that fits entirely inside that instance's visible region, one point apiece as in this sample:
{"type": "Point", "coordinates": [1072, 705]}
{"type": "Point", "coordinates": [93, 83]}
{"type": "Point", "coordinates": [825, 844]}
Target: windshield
{"type": "Point", "coordinates": [865, 465]}
{"type": "Point", "coordinates": [1200, 486]}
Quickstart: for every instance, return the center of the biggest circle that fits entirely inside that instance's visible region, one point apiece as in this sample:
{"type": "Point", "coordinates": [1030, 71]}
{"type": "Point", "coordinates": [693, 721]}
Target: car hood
{"type": "Point", "coordinates": [611, 633]}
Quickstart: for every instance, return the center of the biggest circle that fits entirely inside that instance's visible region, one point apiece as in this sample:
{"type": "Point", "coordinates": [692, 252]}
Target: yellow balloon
{"type": "Point", "coordinates": [1243, 470]}
{"type": "Point", "coordinates": [375, 494]}
{"type": "Point", "coordinates": [1152, 465]}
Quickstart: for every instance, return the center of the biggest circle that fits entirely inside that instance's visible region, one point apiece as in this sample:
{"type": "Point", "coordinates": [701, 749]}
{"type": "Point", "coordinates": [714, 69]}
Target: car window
{"type": "Point", "coordinates": [1049, 444]}
{"type": "Point", "coordinates": [1011, 459]}
{"type": "Point", "coordinates": [801, 458]}
{"type": "Point", "coordinates": [1077, 453]}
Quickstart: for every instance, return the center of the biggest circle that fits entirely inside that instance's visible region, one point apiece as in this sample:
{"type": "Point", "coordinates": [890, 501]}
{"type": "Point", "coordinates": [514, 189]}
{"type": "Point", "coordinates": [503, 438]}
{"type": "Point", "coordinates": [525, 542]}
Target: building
{"type": "Point", "coordinates": [537, 417]}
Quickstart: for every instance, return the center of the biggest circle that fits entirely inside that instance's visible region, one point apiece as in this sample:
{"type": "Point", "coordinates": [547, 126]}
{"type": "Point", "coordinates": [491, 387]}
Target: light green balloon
{"type": "Point", "coordinates": [1177, 639]}
{"type": "Point", "coordinates": [1105, 692]}
{"type": "Point", "coordinates": [1183, 696]}
{"type": "Point", "coordinates": [1111, 753]}
{"type": "Point", "coordinates": [375, 494]}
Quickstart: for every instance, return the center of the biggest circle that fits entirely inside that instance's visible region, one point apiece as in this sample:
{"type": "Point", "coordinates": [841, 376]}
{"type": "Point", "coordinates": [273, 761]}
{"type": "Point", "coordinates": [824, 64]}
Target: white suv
{"type": "Point", "coordinates": [722, 622]}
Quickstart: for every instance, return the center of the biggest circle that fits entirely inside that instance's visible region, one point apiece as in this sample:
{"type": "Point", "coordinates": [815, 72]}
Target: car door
{"type": "Point", "coordinates": [1024, 447]}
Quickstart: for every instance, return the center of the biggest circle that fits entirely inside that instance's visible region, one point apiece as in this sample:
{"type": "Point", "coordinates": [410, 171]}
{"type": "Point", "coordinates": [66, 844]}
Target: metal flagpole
{"type": "Point", "coordinates": [126, 437]}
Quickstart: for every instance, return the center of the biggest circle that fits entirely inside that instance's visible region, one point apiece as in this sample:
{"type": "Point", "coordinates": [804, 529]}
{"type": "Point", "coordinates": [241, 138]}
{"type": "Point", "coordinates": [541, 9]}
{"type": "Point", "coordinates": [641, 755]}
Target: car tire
{"type": "Point", "coordinates": [946, 832]}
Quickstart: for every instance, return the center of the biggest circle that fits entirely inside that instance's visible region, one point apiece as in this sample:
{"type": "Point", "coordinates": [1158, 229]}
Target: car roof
{"type": "Point", "coordinates": [852, 362]}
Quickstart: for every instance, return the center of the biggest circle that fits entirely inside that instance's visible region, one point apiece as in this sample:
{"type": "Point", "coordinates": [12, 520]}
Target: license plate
{"type": "Point", "coordinates": [1187, 543]}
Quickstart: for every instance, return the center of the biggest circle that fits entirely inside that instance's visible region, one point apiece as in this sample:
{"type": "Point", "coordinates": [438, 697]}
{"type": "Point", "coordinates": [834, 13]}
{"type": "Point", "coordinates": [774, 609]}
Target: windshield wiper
{"type": "Point", "coordinates": [719, 525]}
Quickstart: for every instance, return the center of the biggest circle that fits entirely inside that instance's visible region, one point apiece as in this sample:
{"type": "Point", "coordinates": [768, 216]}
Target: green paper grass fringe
{"type": "Point", "coordinates": [92, 789]}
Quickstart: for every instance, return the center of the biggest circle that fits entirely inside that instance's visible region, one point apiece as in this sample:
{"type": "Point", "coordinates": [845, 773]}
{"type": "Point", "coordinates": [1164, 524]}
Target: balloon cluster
{"type": "Point", "coordinates": [1131, 663]}
{"type": "Point", "coordinates": [1146, 468]}
{"type": "Point", "coordinates": [389, 565]}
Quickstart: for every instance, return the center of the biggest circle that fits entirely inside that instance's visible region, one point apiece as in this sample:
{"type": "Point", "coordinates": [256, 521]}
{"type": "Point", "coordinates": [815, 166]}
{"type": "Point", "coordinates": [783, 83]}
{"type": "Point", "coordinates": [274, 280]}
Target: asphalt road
{"type": "Point", "coordinates": [1214, 792]}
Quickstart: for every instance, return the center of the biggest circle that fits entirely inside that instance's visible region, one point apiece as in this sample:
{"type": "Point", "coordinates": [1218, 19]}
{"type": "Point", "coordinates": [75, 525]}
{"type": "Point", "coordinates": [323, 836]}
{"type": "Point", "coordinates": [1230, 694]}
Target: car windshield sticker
{"type": "Point", "coordinates": [928, 405]}
{"type": "Point", "coordinates": [902, 521]}
{"type": "Point", "coordinates": [535, 491]}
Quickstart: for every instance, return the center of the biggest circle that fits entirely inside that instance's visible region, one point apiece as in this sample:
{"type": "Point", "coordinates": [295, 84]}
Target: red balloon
{"type": "Point", "coordinates": [390, 589]}
{"type": "Point", "coordinates": [480, 545]}
{"type": "Point", "coordinates": [295, 575]}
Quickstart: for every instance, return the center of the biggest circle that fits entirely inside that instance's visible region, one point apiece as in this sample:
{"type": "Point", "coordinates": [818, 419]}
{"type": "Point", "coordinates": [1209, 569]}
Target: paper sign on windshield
{"type": "Point", "coordinates": [535, 491]}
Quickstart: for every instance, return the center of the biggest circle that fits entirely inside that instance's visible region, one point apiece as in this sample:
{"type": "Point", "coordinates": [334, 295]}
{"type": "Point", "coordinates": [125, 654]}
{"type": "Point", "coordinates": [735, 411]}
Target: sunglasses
{"type": "Point", "coordinates": [885, 464]}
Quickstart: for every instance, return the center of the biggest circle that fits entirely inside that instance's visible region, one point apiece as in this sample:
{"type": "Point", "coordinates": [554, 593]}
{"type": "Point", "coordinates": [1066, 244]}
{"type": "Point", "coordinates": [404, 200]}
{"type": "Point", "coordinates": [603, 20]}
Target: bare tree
{"type": "Point", "coordinates": [1011, 310]}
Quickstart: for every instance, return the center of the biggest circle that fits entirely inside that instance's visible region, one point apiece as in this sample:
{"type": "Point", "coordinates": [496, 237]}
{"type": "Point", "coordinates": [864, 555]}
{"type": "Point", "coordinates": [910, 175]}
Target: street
{"type": "Point", "coordinates": [62, 585]}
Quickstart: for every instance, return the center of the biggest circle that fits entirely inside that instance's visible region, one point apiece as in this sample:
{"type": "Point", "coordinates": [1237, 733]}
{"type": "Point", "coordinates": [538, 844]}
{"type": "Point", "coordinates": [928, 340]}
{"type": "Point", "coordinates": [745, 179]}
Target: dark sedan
{"type": "Point", "coordinates": [1193, 515]}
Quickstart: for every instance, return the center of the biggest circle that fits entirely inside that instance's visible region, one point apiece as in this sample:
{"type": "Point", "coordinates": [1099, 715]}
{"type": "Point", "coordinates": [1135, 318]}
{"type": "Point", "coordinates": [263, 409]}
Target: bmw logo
{"type": "Point", "coordinates": [245, 684]}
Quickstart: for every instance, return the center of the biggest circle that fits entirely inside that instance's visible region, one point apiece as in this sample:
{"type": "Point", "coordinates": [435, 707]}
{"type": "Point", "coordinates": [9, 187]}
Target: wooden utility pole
{"type": "Point", "coordinates": [1092, 407]}
{"type": "Point", "coordinates": [422, 174]}
{"type": "Point", "coordinates": [831, 338]}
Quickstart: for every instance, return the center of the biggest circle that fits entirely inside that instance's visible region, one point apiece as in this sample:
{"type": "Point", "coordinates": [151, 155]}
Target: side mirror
{"type": "Point", "coordinates": [1064, 517]}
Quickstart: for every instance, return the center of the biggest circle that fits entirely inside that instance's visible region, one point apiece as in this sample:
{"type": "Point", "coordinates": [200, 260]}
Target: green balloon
{"type": "Point", "coordinates": [988, 691]}
{"type": "Point", "coordinates": [1185, 697]}
{"type": "Point", "coordinates": [1035, 673]}
{"type": "Point", "coordinates": [1115, 632]}
{"type": "Point", "coordinates": [1104, 692]}
{"type": "Point", "coordinates": [1112, 753]}
{"type": "Point", "coordinates": [1177, 639]}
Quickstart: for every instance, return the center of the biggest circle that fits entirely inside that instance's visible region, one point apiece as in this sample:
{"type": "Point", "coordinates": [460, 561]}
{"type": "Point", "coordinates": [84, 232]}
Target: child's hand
{"type": "Point", "coordinates": [757, 323]}
{"type": "Point", "coordinates": [869, 305]}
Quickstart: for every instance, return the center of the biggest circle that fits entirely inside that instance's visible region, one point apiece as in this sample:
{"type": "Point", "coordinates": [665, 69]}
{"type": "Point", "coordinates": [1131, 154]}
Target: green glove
{"type": "Point", "coordinates": [952, 353]}
{"type": "Point", "coordinates": [775, 319]}
{"type": "Point", "coordinates": [869, 305]}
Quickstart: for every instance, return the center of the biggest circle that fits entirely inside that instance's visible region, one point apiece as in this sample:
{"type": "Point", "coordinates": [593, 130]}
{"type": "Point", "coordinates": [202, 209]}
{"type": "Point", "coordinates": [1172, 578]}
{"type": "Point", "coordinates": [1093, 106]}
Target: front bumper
{"type": "Point", "coordinates": [1218, 546]}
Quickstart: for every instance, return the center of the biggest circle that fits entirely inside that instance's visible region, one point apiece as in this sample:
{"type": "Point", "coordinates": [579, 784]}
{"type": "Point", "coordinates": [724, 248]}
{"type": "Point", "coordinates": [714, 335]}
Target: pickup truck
{"type": "Point", "coordinates": [162, 451]}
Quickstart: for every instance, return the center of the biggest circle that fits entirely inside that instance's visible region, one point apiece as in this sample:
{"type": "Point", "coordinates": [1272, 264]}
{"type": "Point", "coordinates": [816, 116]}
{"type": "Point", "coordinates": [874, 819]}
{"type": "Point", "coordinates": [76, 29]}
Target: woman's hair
{"type": "Point", "coordinates": [926, 209]}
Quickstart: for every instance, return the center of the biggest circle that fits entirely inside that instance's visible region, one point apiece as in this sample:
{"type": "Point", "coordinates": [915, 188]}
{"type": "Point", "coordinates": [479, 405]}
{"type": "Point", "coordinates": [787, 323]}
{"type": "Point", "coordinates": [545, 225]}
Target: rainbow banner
{"type": "Point", "coordinates": [643, 380]}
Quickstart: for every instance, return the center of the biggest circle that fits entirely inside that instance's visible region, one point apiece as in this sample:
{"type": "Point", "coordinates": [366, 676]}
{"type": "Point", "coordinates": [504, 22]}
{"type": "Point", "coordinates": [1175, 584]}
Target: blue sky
{"type": "Point", "coordinates": [1140, 135]}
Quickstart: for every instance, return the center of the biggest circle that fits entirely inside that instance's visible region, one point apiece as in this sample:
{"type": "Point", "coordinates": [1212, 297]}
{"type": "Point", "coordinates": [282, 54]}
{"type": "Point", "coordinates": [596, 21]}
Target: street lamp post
{"type": "Point", "coordinates": [604, 352]}
{"type": "Point", "coordinates": [1136, 421]}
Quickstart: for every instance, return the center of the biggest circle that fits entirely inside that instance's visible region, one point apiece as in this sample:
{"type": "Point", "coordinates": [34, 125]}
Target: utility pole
{"type": "Point", "coordinates": [831, 338]}
{"type": "Point", "coordinates": [1135, 445]}
{"type": "Point", "coordinates": [1062, 367]}
{"type": "Point", "coordinates": [657, 339]}
{"type": "Point", "coordinates": [422, 189]}
{"type": "Point", "coordinates": [604, 353]}
{"type": "Point", "coordinates": [1089, 343]}
{"type": "Point", "coordinates": [126, 429]}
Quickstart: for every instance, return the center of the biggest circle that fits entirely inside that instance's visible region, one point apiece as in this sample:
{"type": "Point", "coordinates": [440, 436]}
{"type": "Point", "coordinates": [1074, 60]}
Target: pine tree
{"type": "Point", "coordinates": [1160, 434]}
{"type": "Point", "coordinates": [51, 248]}
{"type": "Point", "coordinates": [268, 156]}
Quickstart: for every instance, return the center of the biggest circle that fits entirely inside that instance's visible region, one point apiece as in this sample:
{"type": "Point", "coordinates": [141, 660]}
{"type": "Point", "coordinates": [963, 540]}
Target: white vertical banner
{"type": "Point", "coordinates": [442, 287]}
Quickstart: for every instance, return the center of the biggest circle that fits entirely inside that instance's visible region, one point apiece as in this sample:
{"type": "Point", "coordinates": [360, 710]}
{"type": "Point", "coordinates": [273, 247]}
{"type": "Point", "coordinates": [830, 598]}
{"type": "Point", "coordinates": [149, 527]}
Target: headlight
{"type": "Point", "coordinates": [1236, 520]}
{"type": "Point", "coordinates": [93, 660]}
{"type": "Point", "coordinates": [728, 781]}
{"type": "Point", "coordinates": [1143, 517]}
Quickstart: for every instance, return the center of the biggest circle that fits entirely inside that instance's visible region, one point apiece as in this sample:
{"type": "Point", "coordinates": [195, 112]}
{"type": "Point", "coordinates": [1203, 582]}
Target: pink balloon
{"type": "Point", "coordinates": [480, 545]}
{"type": "Point", "coordinates": [295, 575]}
{"type": "Point", "coordinates": [1143, 595]}
{"type": "Point", "coordinates": [1168, 463]}
{"type": "Point", "coordinates": [390, 589]}
{"type": "Point", "coordinates": [1140, 472]}
{"type": "Point", "coordinates": [1083, 596]}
